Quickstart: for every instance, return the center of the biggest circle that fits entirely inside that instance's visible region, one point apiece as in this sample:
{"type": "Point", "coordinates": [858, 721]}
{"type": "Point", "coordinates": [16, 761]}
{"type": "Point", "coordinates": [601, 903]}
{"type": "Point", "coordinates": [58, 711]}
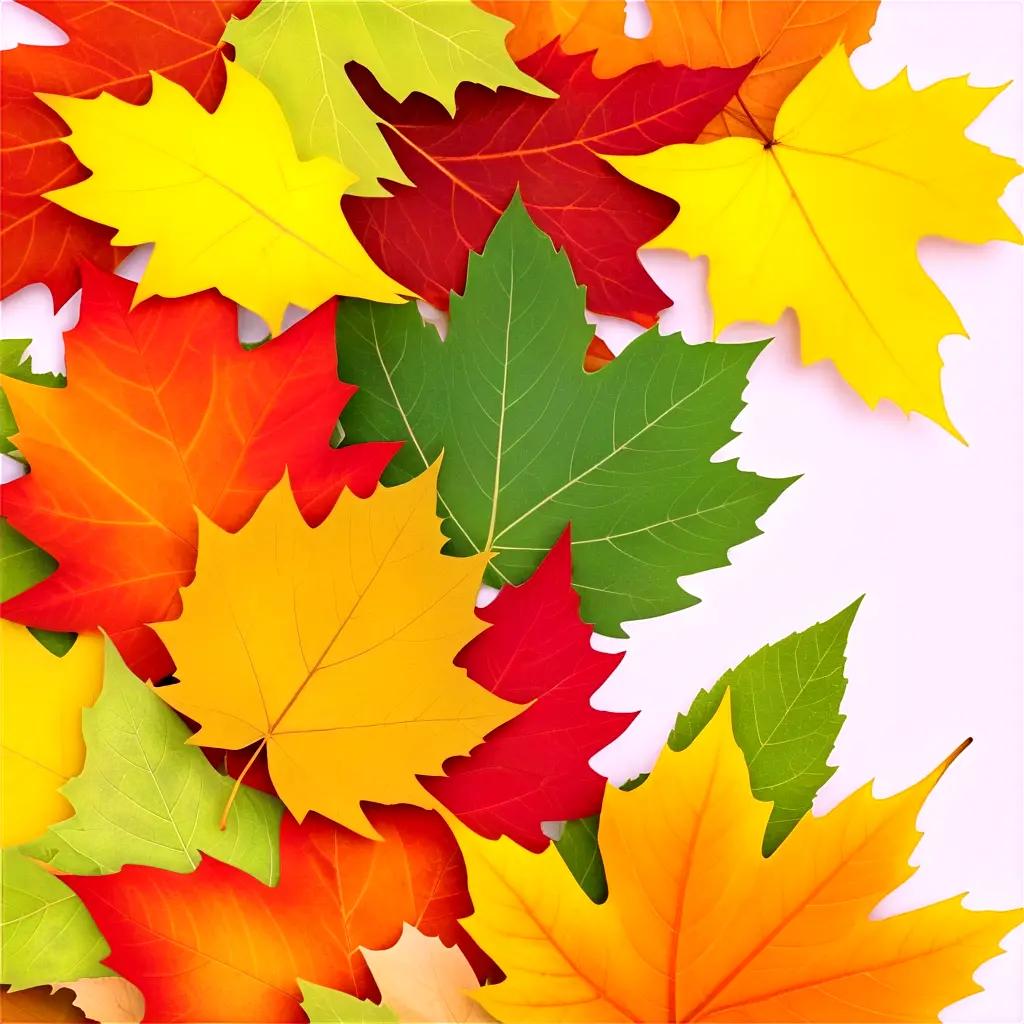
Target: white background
{"type": "Point", "coordinates": [890, 507]}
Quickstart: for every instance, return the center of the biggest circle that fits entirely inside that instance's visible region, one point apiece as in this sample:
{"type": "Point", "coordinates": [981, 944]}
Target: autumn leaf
{"type": "Point", "coordinates": [698, 925]}
{"type": "Point", "coordinates": [223, 197]}
{"type": "Point", "coordinates": [430, 49]}
{"type": "Point", "coordinates": [466, 168]}
{"type": "Point", "coordinates": [332, 648]}
{"type": "Point", "coordinates": [420, 979]}
{"type": "Point", "coordinates": [41, 744]}
{"type": "Point", "coordinates": [242, 943]}
{"type": "Point", "coordinates": [785, 39]}
{"type": "Point", "coordinates": [110, 1000]}
{"type": "Point", "coordinates": [143, 796]}
{"type": "Point", "coordinates": [40, 1005]}
{"type": "Point", "coordinates": [15, 362]}
{"type": "Point", "coordinates": [826, 219]}
{"type": "Point", "coordinates": [534, 768]}
{"type": "Point", "coordinates": [112, 48]}
{"type": "Point", "coordinates": [179, 417]}
{"type": "Point", "coordinates": [531, 441]}
{"type": "Point", "coordinates": [785, 703]}
{"type": "Point", "coordinates": [46, 934]}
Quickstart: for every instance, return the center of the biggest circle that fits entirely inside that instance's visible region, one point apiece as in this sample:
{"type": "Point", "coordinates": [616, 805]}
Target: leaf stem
{"type": "Point", "coordinates": [238, 783]}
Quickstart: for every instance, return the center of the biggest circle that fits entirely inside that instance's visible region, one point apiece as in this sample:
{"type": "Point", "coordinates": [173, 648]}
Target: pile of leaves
{"type": "Point", "coordinates": [267, 755]}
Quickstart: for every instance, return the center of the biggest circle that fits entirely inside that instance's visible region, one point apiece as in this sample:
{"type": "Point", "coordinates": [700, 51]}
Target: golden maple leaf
{"type": "Point", "coordinates": [332, 647]}
{"type": "Point", "coordinates": [698, 925]}
{"type": "Point", "coordinates": [826, 216]}
{"type": "Point", "coordinates": [223, 196]}
{"type": "Point", "coordinates": [784, 37]}
{"type": "Point", "coordinates": [41, 743]}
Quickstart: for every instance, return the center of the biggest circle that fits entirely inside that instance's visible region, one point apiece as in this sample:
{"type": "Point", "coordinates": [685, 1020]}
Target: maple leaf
{"type": "Point", "coordinates": [785, 38]}
{"type": "Point", "coordinates": [143, 796]}
{"type": "Point", "coordinates": [532, 442]}
{"type": "Point", "coordinates": [179, 417]}
{"type": "Point", "coordinates": [830, 212]}
{"type": "Point", "coordinates": [112, 48]}
{"type": "Point", "coordinates": [420, 979]}
{"type": "Point", "coordinates": [40, 727]}
{"type": "Point", "coordinates": [467, 167]}
{"type": "Point", "coordinates": [785, 702]}
{"type": "Point", "coordinates": [332, 648]}
{"type": "Point", "coordinates": [534, 768]}
{"type": "Point", "coordinates": [431, 48]}
{"type": "Point", "coordinates": [223, 197]}
{"type": "Point", "coordinates": [698, 925]}
{"type": "Point", "coordinates": [243, 943]}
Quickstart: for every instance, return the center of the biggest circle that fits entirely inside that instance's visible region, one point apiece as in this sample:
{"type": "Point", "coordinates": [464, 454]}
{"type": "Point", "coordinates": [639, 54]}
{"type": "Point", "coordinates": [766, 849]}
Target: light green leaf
{"type": "Point", "coordinates": [299, 48]}
{"type": "Point", "coordinates": [532, 442]}
{"type": "Point", "coordinates": [46, 934]}
{"type": "Point", "coordinates": [146, 797]}
{"type": "Point", "coordinates": [785, 716]}
{"type": "Point", "coordinates": [329, 1006]}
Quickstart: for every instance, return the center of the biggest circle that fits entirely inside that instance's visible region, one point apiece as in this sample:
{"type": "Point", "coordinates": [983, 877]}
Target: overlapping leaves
{"type": "Point", "coordinates": [533, 442]}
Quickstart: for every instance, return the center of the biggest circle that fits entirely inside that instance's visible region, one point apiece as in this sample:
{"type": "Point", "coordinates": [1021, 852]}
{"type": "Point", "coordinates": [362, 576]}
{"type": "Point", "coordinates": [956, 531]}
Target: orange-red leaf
{"type": "Point", "coordinates": [112, 48]}
{"type": "Point", "coordinates": [217, 945]}
{"type": "Point", "coordinates": [165, 412]}
{"type": "Point", "coordinates": [785, 37]}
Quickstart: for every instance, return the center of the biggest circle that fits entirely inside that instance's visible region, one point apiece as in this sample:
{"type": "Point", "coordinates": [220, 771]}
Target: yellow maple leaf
{"type": "Point", "coordinates": [332, 647]}
{"type": "Point", "coordinates": [825, 218]}
{"type": "Point", "coordinates": [41, 743]}
{"type": "Point", "coordinates": [699, 926]}
{"type": "Point", "coordinates": [223, 196]}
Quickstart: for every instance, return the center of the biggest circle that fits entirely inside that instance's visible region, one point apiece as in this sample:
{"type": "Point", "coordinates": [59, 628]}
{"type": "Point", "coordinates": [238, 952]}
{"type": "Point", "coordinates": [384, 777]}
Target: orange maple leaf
{"type": "Point", "coordinates": [699, 926]}
{"type": "Point", "coordinates": [786, 38]}
{"type": "Point", "coordinates": [164, 412]}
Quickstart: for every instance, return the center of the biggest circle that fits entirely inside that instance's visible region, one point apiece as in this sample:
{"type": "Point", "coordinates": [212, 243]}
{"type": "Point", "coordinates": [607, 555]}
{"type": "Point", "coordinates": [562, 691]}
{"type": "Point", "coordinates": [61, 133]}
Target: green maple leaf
{"type": "Point", "coordinates": [299, 48]}
{"type": "Point", "coordinates": [146, 797]}
{"type": "Point", "coordinates": [531, 442]}
{"type": "Point", "coordinates": [329, 1006]}
{"type": "Point", "coordinates": [46, 934]}
{"type": "Point", "coordinates": [785, 717]}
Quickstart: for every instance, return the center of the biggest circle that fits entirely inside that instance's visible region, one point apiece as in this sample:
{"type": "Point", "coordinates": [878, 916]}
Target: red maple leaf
{"type": "Point", "coordinates": [465, 170]}
{"type": "Point", "coordinates": [535, 767]}
{"type": "Point", "coordinates": [218, 945]}
{"type": "Point", "coordinates": [165, 412]}
{"type": "Point", "coordinates": [112, 48]}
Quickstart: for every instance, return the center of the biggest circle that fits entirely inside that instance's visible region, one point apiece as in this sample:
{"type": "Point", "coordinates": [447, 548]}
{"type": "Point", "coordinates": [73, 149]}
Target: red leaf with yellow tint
{"type": "Point", "coordinates": [165, 412]}
{"type": "Point", "coordinates": [465, 170]}
{"type": "Point", "coordinates": [217, 945]}
{"type": "Point", "coordinates": [534, 768]}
